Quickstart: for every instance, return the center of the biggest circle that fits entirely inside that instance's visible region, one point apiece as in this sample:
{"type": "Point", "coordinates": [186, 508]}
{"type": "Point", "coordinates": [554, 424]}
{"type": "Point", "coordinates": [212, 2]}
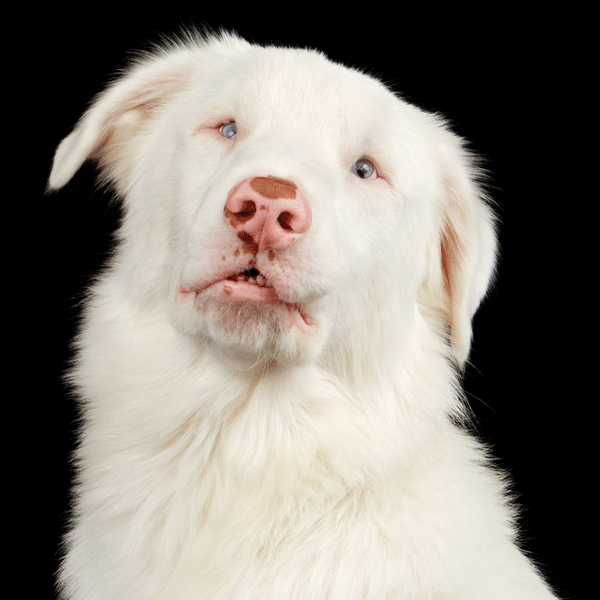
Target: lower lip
{"type": "Point", "coordinates": [245, 291]}
{"type": "Point", "coordinates": [250, 292]}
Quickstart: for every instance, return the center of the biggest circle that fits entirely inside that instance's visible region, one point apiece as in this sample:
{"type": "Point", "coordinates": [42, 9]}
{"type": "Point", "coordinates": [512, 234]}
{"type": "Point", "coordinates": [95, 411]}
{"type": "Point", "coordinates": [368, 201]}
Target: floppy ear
{"type": "Point", "coordinates": [467, 246]}
{"type": "Point", "coordinates": [118, 115]}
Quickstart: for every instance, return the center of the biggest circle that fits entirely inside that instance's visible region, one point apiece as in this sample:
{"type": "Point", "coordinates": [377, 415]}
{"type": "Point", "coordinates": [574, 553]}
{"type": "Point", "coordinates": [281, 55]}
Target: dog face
{"type": "Point", "coordinates": [279, 205]}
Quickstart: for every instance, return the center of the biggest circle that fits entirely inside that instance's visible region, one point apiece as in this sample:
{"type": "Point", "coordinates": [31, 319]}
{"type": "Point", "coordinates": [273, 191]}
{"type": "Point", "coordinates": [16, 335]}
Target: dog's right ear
{"type": "Point", "coordinates": [118, 114]}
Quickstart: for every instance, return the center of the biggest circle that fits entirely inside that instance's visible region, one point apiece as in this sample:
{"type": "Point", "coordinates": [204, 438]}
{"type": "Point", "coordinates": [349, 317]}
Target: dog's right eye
{"type": "Point", "coordinates": [363, 168]}
{"type": "Point", "coordinates": [229, 130]}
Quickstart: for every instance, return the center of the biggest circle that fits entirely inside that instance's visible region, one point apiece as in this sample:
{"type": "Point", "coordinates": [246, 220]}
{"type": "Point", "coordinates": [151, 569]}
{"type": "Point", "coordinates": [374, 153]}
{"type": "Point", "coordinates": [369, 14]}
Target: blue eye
{"type": "Point", "coordinates": [229, 130]}
{"type": "Point", "coordinates": [363, 168]}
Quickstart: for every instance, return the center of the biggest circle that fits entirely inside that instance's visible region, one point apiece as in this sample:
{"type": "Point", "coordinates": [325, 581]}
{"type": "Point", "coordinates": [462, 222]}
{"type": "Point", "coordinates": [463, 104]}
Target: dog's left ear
{"type": "Point", "coordinates": [466, 245]}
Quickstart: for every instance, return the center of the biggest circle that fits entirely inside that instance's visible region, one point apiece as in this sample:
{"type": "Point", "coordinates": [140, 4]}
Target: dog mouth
{"type": "Point", "coordinates": [252, 276]}
{"type": "Point", "coordinates": [251, 287]}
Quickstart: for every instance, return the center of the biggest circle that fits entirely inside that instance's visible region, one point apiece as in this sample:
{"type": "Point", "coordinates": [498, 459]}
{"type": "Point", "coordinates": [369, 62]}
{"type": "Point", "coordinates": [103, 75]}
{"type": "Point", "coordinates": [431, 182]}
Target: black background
{"type": "Point", "coordinates": [511, 83]}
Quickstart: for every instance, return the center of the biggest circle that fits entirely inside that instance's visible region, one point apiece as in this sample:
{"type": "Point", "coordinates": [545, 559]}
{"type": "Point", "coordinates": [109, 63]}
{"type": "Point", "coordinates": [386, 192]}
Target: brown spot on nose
{"type": "Point", "coordinates": [273, 187]}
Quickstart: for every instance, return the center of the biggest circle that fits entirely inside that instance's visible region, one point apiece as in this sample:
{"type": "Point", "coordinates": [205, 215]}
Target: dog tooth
{"type": "Point", "coordinates": [251, 280]}
{"type": "Point", "coordinates": [260, 280]}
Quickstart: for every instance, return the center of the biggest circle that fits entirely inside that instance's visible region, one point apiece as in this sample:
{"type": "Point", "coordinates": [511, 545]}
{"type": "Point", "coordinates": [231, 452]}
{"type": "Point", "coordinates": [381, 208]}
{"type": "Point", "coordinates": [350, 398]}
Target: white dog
{"type": "Point", "coordinates": [268, 367]}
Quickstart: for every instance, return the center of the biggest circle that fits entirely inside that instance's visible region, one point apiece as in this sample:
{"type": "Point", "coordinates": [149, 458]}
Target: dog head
{"type": "Point", "coordinates": [278, 205]}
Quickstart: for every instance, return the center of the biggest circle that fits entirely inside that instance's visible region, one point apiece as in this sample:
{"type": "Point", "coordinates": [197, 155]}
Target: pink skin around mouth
{"type": "Point", "coordinates": [250, 292]}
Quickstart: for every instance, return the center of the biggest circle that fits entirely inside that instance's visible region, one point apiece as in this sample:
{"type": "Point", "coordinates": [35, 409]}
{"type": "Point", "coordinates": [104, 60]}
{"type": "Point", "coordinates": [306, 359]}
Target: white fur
{"type": "Point", "coordinates": [224, 456]}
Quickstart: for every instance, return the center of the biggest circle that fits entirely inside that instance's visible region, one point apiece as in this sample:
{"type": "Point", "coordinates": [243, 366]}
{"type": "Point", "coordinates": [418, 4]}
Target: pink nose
{"type": "Point", "coordinates": [268, 213]}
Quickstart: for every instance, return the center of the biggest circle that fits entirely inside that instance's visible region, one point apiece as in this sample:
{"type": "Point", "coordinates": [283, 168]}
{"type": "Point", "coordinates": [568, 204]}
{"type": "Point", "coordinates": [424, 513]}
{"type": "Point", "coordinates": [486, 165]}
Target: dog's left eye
{"type": "Point", "coordinates": [363, 168]}
{"type": "Point", "coordinates": [229, 130]}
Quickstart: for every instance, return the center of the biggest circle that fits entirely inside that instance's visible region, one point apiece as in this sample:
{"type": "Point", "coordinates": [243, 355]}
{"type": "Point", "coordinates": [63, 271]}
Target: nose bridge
{"type": "Point", "coordinates": [267, 212]}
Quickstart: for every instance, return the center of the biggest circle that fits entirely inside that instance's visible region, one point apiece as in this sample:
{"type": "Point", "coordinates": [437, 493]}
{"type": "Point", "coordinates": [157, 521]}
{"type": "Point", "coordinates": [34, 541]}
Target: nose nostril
{"type": "Point", "coordinates": [285, 220]}
{"type": "Point", "coordinates": [247, 211]}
